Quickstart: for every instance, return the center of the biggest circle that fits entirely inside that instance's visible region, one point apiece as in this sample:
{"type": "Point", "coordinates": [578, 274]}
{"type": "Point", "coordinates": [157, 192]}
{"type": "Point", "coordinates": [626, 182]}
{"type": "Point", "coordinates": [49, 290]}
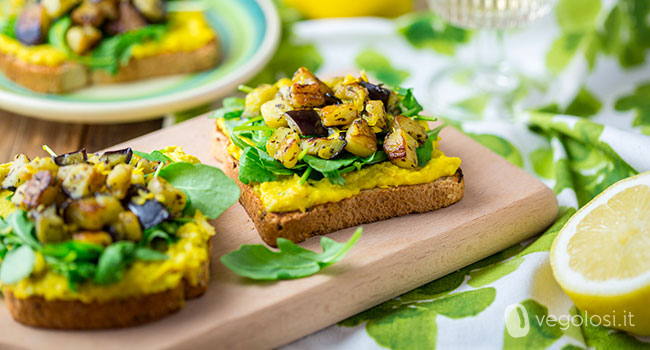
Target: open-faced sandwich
{"type": "Point", "coordinates": [313, 156]}
{"type": "Point", "coordinates": [92, 241]}
{"type": "Point", "coordinates": [55, 46]}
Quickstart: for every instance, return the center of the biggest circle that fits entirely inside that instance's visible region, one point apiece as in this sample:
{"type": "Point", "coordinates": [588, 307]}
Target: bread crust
{"type": "Point", "coordinates": [70, 76]}
{"type": "Point", "coordinates": [367, 206]}
{"type": "Point", "coordinates": [118, 313]}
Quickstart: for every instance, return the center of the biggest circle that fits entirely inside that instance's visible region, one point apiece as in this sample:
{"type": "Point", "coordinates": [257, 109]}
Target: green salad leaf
{"type": "Point", "coordinates": [207, 188]}
{"type": "Point", "coordinates": [17, 264]}
{"type": "Point", "coordinates": [291, 261]}
{"type": "Point", "coordinates": [425, 151]}
{"type": "Point", "coordinates": [155, 156]}
{"type": "Point", "coordinates": [73, 251]}
{"type": "Point", "coordinates": [56, 34]}
{"type": "Point", "coordinates": [118, 50]}
{"type": "Point", "coordinates": [232, 108]}
{"type": "Point", "coordinates": [409, 106]}
{"type": "Point", "coordinates": [114, 261]}
{"type": "Point", "coordinates": [23, 228]}
{"type": "Point", "coordinates": [7, 27]}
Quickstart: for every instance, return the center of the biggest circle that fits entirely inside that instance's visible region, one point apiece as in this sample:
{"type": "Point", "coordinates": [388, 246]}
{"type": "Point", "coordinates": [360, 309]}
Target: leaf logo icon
{"type": "Point", "coordinates": [516, 320]}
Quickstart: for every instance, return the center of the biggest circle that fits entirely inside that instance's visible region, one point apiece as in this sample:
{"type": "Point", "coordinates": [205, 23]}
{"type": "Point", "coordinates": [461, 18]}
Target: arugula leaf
{"type": "Point", "coordinates": [233, 107]}
{"type": "Point", "coordinates": [208, 188]}
{"type": "Point", "coordinates": [56, 34]}
{"type": "Point", "coordinates": [409, 106]}
{"type": "Point", "coordinates": [117, 50]}
{"type": "Point", "coordinates": [7, 27]}
{"type": "Point", "coordinates": [292, 261]}
{"type": "Point", "coordinates": [74, 272]}
{"type": "Point", "coordinates": [4, 227]}
{"type": "Point", "coordinates": [17, 264]}
{"type": "Point", "coordinates": [73, 251]}
{"type": "Point", "coordinates": [146, 254]}
{"type": "Point", "coordinates": [251, 168]}
{"type": "Point", "coordinates": [113, 261]}
{"type": "Point", "coordinates": [23, 228]}
{"type": "Point", "coordinates": [155, 156]}
{"type": "Point", "coordinates": [335, 177]}
{"type": "Point", "coordinates": [328, 165]}
{"type": "Point", "coordinates": [425, 151]}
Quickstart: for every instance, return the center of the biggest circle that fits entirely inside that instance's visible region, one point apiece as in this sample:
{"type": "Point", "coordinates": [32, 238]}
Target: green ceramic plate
{"type": "Point", "coordinates": [249, 31]}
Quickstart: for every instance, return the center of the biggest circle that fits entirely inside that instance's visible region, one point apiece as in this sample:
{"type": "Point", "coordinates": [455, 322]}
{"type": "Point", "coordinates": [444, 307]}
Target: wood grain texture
{"type": "Point", "coordinates": [502, 206]}
{"type": "Point", "coordinates": [28, 135]}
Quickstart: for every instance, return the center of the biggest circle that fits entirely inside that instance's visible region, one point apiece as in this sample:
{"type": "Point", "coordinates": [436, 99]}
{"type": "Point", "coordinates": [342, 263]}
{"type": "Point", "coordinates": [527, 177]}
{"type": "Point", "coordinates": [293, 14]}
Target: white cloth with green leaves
{"type": "Point", "coordinates": [585, 121]}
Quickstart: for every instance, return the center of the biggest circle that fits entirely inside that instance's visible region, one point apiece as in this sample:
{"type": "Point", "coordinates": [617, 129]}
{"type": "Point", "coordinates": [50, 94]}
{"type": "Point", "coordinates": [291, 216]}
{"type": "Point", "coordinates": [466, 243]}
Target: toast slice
{"type": "Point", "coordinates": [70, 76]}
{"type": "Point", "coordinates": [367, 206]}
{"type": "Point", "coordinates": [118, 313]}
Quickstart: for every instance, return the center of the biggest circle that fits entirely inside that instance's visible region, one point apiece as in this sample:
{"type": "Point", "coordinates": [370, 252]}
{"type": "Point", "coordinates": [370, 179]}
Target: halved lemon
{"type": "Point", "coordinates": [601, 257]}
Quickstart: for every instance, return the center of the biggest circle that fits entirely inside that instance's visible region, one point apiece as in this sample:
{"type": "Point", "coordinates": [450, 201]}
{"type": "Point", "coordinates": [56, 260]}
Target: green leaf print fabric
{"type": "Point", "coordinates": [583, 123]}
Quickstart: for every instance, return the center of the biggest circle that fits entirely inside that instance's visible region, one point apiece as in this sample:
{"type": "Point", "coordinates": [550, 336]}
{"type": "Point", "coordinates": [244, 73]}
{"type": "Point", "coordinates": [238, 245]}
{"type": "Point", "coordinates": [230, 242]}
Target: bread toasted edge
{"type": "Point", "coordinates": [71, 76]}
{"type": "Point", "coordinates": [366, 207]}
{"type": "Point", "coordinates": [118, 313]}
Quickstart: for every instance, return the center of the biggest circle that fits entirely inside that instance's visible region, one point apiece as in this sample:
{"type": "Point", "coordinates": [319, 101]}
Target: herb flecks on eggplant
{"type": "Point", "coordinates": [324, 128]}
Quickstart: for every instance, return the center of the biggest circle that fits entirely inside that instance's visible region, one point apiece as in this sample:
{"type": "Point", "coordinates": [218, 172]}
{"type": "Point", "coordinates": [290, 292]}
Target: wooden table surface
{"type": "Point", "coordinates": [27, 135]}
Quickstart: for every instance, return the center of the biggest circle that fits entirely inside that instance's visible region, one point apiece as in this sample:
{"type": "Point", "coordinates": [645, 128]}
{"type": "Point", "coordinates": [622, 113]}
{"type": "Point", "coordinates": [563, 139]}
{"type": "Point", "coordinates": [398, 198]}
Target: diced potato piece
{"type": "Point", "coordinates": [278, 136]}
{"type": "Point", "coordinates": [50, 227]}
{"type": "Point", "coordinates": [361, 141]}
{"type": "Point", "coordinates": [40, 190]}
{"type": "Point", "coordinates": [57, 8]}
{"type": "Point", "coordinates": [303, 96]}
{"type": "Point", "coordinates": [304, 77]}
{"type": "Point", "coordinates": [288, 150]}
{"type": "Point", "coordinates": [401, 149]}
{"type": "Point", "coordinates": [82, 180]}
{"type": "Point", "coordinates": [393, 103]}
{"type": "Point", "coordinates": [18, 173]}
{"type": "Point", "coordinates": [118, 180]}
{"type": "Point", "coordinates": [89, 13]}
{"type": "Point", "coordinates": [93, 237]}
{"type": "Point", "coordinates": [355, 92]}
{"type": "Point", "coordinates": [338, 115]}
{"type": "Point", "coordinates": [127, 227]}
{"type": "Point", "coordinates": [93, 213]}
{"type": "Point", "coordinates": [256, 98]}
{"type": "Point", "coordinates": [109, 8]}
{"type": "Point", "coordinates": [323, 147]}
{"type": "Point", "coordinates": [173, 198]}
{"type": "Point", "coordinates": [273, 113]}
{"type": "Point", "coordinates": [375, 116]}
{"type": "Point", "coordinates": [82, 39]}
{"type": "Point", "coordinates": [412, 127]}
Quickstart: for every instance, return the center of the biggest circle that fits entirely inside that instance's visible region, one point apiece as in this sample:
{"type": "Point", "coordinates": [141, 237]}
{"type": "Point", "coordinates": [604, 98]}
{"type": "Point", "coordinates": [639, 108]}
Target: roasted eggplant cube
{"type": "Point", "coordinates": [153, 10]}
{"type": "Point", "coordinates": [274, 141]}
{"type": "Point", "coordinates": [322, 147]}
{"type": "Point", "coordinates": [126, 227]}
{"type": "Point", "coordinates": [306, 122]}
{"type": "Point", "coordinates": [32, 25]}
{"type": "Point", "coordinates": [93, 237]}
{"type": "Point", "coordinates": [173, 198]}
{"type": "Point", "coordinates": [401, 148]}
{"type": "Point", "coordinates": [375, 115]}
{"type": "Point", "coordinates": [57, 8]}
{"type": "Point", "coordinates": [150, 213]}
{"type": "Point", "coordinates": [40, 190]}
{"type": "Point", "coordinates": [49, 226]}
{"type": "Point", "coordinates": [93, 213]}
{"type": "Point", "coordinates": [338, 115]}
{"type": "Point", "coordinates": [412, 127]}
{"type": "Point", "coordinates": [376, 92]}
{"type": "Point", "coordinates": [273, 113]}
{"type": "Point", "coordinates": [17, 173]}
{"type": "Point", "coordinates": [113, 158]}
{"type": "Point", "coordinates": [256, 98]}
{"type": "Point", "coordinates": [81, 180]}
{"type": "Point", "coordinates": [361, 141]}
{"type": "Point", "coordinates": [118, 180]}
{"type": "Point", "coordinates": [83, 38]}
{"type": "Point", "coordinates": [288, 150]}
{"type": "Point", "coordinates": [89, 13]}
{"type": "Point", "coordinates": [129, 19]}
{"type": "Point", "coordinates": [306, 96]}
{"type": "Point", "coordinates": [72, 158]}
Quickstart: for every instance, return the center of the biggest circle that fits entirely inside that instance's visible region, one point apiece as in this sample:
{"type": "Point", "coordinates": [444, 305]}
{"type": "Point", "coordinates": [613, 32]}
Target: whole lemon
{"type": "Point", "coordinates": [351, 8]}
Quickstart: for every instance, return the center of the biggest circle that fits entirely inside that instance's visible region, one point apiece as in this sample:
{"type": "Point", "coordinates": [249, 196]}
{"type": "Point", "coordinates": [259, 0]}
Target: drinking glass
{"type": "Point", "coordinates": [490, 75]}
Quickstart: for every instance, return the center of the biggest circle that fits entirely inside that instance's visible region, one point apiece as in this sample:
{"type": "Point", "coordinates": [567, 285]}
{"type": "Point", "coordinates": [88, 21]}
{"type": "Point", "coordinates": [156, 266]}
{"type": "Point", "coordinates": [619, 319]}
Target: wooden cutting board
{"type": "Point", "coordinates": [502, 206]}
